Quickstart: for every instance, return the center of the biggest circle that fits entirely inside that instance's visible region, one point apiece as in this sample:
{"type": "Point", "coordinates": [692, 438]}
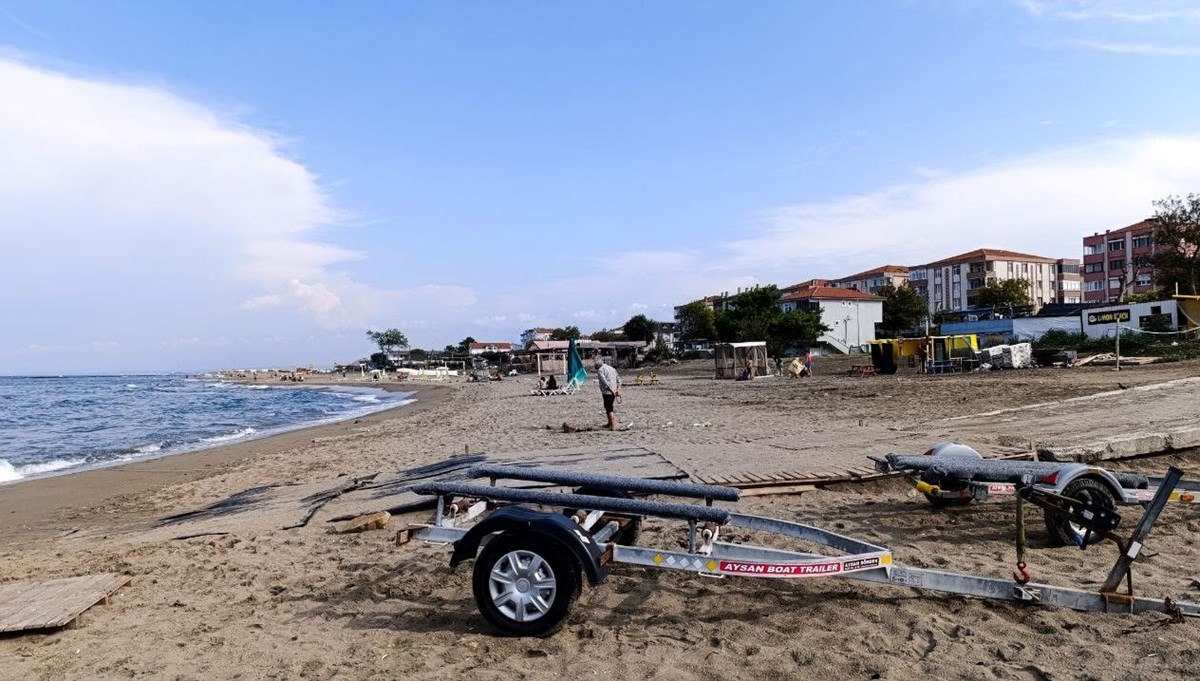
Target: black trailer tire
{"type": "Point", "coordinates": [942, 502]}
{"type": "Point", "coordinates": [1062, 531]}
{"type": "Point", "coordinates": [628, 534]}
{"type": "Point", "coordinates": [525, 584]}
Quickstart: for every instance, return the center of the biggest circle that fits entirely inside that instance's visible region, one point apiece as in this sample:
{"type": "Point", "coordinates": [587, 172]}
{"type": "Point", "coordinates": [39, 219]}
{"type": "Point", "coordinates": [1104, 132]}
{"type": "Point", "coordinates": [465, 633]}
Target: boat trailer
{"type": "Point", "coordinates": [1070, 494]}
{"type": "Point", "coordinates": [530, 564]}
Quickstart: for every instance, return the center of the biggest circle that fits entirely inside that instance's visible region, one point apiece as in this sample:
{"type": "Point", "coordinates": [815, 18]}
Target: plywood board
{"type": "Point", "coordinates": [28, 605]}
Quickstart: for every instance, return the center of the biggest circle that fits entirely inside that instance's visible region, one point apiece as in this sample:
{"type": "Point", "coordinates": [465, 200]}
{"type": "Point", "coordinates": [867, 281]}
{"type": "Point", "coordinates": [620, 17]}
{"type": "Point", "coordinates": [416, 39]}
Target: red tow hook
{"type": "Point", "coordinates": [1022, 575]}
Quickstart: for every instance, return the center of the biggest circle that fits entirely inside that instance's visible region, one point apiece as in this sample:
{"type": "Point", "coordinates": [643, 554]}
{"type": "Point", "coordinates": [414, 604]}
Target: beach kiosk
{"type": "Point", "coordinates": [733, 359]}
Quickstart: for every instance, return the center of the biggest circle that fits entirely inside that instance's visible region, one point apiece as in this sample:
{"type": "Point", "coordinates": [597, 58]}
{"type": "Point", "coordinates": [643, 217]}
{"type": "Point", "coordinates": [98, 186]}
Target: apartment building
{"type": "Point", "coordinates": [872, 281]}
{"type": "Point", "coordinates": [1110, 262]}
{"type": "Point", "coordinates": [953, 283]}
{"type": "Point", "coordinates": [1070, 281]}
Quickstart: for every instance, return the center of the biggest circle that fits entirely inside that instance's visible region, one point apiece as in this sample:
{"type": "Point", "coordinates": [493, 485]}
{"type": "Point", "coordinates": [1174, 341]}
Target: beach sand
{"type": "Point", "coordinates": [261, 602]}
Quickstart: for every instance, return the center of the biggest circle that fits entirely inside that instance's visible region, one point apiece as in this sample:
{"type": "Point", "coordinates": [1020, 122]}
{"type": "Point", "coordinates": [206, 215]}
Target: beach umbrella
{"type": "Point", "coordinates": [575, 370]}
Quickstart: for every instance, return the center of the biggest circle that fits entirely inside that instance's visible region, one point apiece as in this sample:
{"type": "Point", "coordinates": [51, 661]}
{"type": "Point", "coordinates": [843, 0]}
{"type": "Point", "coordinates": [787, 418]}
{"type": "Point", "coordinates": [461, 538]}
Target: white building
{"type": "Point", "coordinates": [538, 334]}
{"type": "Point", "coordinates": [1102, 322]}
{"type": "Point", "coordinates": [481, 348]}
{"type": "Point", "coordinates": [850, 315]}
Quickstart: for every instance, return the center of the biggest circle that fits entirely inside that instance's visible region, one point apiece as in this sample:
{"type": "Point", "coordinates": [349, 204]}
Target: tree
{"type": "Point", "coordinates": [641, 328]}
{"type": "Point", "coordinates": [388, 340]}
{"type": "Point", "coordinates": [755, 316]}
{"type": "Point", "coordinates": [1004, 293]}
{"type": "Point", "coordinates": [566, 333]}
{"type": "Point", "coordinates": [606, 336]}
{"type": "Point", "coordinates": [418, 354]}
{"type": "Point", "coordinates": [903, 308]}
{"type": "Point", "coordinates": [464, 345]}
{"type": "Point", "coordinates": [697, 322]}
{"type": "Point", "coordinates": [1176, 257]}
{"type": "Point", "coordinates": [795, 329]}
{"type": "Point", "coordinates": [660, 352]}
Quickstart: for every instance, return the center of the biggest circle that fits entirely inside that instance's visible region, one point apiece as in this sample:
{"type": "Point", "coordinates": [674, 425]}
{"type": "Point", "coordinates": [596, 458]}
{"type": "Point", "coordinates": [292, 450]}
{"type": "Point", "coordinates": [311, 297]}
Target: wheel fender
{"type": "Point", "coordinates": [1076, 471]}
{"type": "Point", "coordinates": [552, 526]}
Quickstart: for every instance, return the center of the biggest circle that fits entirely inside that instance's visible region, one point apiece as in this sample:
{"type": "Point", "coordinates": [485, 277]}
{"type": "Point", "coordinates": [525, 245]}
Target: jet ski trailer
{"type": "Point", "coordinates": [952, 474]}
{"type": "Point", "coordinates": [530, 564]}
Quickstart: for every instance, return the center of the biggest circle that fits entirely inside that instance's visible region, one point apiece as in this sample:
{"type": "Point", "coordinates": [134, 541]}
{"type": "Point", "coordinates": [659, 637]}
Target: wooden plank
{"type": "Point", "coordinates": [26, 606]}
{"type": "Point", "coordinates": [767, 490]}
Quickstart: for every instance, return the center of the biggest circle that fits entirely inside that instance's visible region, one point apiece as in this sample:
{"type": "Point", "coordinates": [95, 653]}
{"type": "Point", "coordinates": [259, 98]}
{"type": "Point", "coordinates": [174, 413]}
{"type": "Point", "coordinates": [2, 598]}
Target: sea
{"type": "Point", "coordinates": [51, 425]}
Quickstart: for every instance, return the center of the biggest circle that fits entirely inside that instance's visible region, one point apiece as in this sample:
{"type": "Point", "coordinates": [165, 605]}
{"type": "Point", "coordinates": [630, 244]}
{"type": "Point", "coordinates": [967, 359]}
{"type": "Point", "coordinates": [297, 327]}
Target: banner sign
{"type": "Point", "coordinates": [1108, 316]}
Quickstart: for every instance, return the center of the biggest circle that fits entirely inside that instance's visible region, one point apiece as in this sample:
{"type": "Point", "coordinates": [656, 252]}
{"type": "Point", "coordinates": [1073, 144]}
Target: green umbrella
{"type": "Point", "coordinates": [575, 371]}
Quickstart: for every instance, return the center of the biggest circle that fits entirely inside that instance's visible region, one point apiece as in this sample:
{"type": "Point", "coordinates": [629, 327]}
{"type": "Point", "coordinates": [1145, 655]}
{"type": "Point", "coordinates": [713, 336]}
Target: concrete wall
{"type": "Point", "coordinates": [851, 322]}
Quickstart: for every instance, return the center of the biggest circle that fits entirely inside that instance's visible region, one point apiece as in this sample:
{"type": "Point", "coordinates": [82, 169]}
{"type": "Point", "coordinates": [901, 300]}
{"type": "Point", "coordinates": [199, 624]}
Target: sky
{"type": "Point", "coordinates": [191, 186]}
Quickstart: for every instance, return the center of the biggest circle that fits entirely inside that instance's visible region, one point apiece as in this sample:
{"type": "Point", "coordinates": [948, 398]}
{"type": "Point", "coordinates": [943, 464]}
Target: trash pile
{"type": "Point", "coordinates": [1015, 356]}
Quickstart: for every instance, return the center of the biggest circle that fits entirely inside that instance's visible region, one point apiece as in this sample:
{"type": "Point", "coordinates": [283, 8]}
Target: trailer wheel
{"type": "Point", "coordinates": [628, 534]}
{"type": "Point", "coordinates": [1063, 532]}
{"type": "Point", "coordinates": [942, 502]}
{"type": "Point", "coordinates": [525, 584]}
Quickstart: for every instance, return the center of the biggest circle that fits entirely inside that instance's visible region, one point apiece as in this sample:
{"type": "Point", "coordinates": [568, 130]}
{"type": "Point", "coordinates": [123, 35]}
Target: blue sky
{"type": "Point", "coordinates": [196, 185]}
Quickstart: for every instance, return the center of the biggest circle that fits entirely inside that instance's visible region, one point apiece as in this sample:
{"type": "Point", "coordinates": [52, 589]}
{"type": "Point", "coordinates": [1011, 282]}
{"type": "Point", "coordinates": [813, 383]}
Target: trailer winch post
{"type": "Point", "coordinates": [1129, 551]}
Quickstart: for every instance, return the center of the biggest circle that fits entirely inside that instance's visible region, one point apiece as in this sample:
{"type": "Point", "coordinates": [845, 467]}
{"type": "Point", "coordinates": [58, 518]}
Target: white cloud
{"type": "Point", "coordinates": [144, 214]}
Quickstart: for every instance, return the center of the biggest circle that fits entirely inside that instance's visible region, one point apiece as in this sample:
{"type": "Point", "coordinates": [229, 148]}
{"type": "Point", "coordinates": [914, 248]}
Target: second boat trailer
{"type": "Point", "coordinates": [530, 564]}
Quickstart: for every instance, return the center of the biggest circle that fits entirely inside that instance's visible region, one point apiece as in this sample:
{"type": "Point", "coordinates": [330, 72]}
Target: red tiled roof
{"type": "Point", "coordinates": [828, 292]}
{"type": "Point", "coordinates": [498, 346]}
{"type": "Point", "coordinates": [986, 254]}
{"type": "Point", "coordinates": [885, 269]}
{"type": "Point", "coordinates": [805, 284]}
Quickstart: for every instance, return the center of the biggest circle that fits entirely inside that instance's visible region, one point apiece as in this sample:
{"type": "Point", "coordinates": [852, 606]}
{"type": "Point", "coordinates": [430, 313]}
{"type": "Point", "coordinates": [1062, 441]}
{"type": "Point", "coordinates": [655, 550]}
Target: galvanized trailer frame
{"type": "Point", "coordinates": [532, 561]}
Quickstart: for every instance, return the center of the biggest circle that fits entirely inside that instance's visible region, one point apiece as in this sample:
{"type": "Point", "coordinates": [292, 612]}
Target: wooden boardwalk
{"type": "Point", "coordinates": [27, 606]}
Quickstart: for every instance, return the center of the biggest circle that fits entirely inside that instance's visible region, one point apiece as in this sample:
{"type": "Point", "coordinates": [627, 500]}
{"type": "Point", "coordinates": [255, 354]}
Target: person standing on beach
{"type": "Point", "coordinates": [808, 361]}
{"type": "Point", "coordinates": [610, 389]}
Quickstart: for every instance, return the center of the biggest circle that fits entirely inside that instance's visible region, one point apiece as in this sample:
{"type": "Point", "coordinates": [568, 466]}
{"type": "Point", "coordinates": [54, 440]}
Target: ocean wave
{"type": "Point", "coordinates": [9, 472]}
{"type": "Point", "coordinates": [132, 385]}
{"type": "Point", "coordinates": [149, 449]}
{"type": "Point", "coordinates": [367, 398]}
{"type": "Point", "coordinates": [244, 432]}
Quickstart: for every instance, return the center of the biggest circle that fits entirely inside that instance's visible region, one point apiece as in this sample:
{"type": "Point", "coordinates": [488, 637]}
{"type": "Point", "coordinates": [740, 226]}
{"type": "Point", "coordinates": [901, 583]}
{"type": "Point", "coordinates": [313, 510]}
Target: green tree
{"type": "Point", "coordinates": [903, 308]}
{"type": "Point", "coordinates": [464, 345]}
{"type": "Point", "coordinates": [755, 316]}
{"type": "Point", "coordinates": [418, 354]}
{"type": "Point", "coordinates": [661, 352]}
{"type": "Point", "coordinates": [641, 328]}
{"type": "Point", "coordinates": [566, 333]}
{"type": "Point", "coordinates": [389, 340]}
{"type": "Point", "coordinates": [795, 329]}
{"type": "Point", "coordinates": [1004, 293]}
{"type": "Point", "coordinates": [697, 322]}
{"type": "Point", "coordinates": [1176, 257]}
{"type": "Point", "coordinates": [606, 336]}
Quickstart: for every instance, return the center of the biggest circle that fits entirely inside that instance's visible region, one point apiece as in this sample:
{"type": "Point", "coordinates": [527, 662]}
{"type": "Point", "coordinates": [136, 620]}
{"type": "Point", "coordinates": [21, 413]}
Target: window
{"type": "Point", "coordinates": [958, 269]}
{"type": "Point", "coordinates": [918, 275]}
{"type": "Point", "coordinates": [1094, 285]}
{"type": "Point", "coordinates": [1117, 245]}
{"type": "Point", "coordinates": [1141, 241]}
{"type": "Point", "coordinates": [1114, 282]}
{"type": "Point", "coordinates": [1024, 268]}
{"type": "Point", "coordinates": [1068, 285]}
{"type": "Point", "coordinates": [1093, 267]}
{"type": "Point", "coordinates": [1156, 309]}
{"type": "Point", "coordinates": [1095, 249]}
{"type": "Point", "coordinates": [957, 290]}
{"type": "Point", "coordinates": [1143, 280]}
{"type": "Point", "coordinates": [1068, 269]}
{"type": "Point", "coordinates": [1118, 264]}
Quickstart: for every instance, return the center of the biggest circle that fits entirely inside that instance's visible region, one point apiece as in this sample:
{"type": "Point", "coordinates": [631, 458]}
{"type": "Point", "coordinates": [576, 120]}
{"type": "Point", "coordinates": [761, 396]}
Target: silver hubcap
{"type": "Point", "coordinates": [522, 585]}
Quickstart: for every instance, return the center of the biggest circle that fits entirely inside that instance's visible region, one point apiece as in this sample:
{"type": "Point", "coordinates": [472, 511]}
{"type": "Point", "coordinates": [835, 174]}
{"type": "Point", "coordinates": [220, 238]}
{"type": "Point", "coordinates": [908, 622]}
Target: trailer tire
{"type": "Point", "coordinates": [525, 584]}
{"type": "Point", "coordinates": [1062, 531]}
{"type": "Point", "coordinates": [628, 534]}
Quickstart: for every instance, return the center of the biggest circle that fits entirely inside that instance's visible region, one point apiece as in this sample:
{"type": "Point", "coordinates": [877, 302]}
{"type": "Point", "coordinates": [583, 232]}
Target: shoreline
{"type": "Point", "coordinates": [25, 502]}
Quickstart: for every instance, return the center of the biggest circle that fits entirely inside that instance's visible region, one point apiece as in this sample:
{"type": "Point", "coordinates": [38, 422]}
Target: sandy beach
{"type": "Point", "coordinates": [260, 602]}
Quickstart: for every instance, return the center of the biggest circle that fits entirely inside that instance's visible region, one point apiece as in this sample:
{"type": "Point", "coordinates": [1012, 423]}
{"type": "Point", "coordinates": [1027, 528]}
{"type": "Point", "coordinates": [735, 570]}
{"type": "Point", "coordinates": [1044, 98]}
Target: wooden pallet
{"type": "Point", "coordinates": [28, 606]}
